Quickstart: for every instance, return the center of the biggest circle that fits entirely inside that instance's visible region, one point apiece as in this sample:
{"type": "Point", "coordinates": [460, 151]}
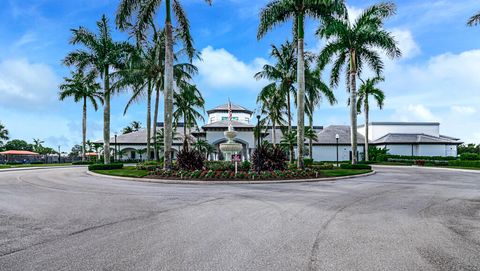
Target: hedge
{"type": "Point", "coordinates": [390, 156]}
{"type": "Point", "coordinates": [105, 167]}
{"type": "Point", "coordinates": [76, 163]}
{"type": "Point", "coordinates": [458, 163]}
{"type": "Point", "coordinates": [356, 166]}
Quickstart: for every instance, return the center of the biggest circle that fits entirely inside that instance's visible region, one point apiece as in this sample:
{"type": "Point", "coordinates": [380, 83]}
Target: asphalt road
{"type": "Point", "coordinates": [398, 219]}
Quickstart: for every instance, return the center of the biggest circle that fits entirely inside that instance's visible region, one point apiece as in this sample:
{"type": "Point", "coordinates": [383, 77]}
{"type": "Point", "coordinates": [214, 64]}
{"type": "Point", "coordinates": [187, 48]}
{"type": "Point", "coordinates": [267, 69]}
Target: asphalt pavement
{"type": "Point", "coordinates": [397, 219]}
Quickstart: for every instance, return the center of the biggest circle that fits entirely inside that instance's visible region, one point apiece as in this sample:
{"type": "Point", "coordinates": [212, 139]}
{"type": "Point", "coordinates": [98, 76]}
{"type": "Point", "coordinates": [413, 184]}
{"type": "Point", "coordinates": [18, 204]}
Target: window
{"type": "Point", "coordinates": [233, 118]}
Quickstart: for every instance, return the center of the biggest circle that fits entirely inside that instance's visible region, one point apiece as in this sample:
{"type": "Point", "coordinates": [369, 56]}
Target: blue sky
{"type": "Point", "coordinates": [437, 79]}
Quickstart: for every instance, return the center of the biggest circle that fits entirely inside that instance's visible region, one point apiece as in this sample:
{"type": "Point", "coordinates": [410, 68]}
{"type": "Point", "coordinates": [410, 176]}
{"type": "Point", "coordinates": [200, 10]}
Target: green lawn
{"type": "Point", "coordinates": [344, 172]}
{"type": "Point", "coordinates": [35, 165]}
{"type": "Point", "coordinates": [124, 172]}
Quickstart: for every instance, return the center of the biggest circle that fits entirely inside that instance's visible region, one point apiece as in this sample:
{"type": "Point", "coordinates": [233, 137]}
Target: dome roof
{"type": "Point", "coordinates": [224, 108]}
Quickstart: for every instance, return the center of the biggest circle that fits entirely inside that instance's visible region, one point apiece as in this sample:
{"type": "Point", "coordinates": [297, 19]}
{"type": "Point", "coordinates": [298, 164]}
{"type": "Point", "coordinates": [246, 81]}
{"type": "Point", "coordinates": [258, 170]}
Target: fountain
{"type": "Point", "coordinates": [230, 147]}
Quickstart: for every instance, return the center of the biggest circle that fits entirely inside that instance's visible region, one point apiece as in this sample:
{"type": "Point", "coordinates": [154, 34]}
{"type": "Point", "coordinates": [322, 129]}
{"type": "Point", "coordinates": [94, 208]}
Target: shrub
{"type": "Point", "coordinates": [13, 163]}
{"type": "Point", "coordinates": [219, 165]}
{"type": "Point", "coordinates": [76, 163]}
{"type": "Point", "coordinates": [468, 156]}
{"type": "Point", "coordinates": [292, 166]}
{"type": "Point", "coordinates": [420, 163]}
{"type": "Point", "coordinates": [307, 162]}
{"type": "Point", "coordinates": [150, 165]}
{"type": "Point", "coordinates": [105, 167]}
{"type": "Point", "coordinates": [190, 160]}
{"type": "Point", "coordinates": [459, 163]}
{"type": "Point", "coordinates": [377, 154]}
{"type": "Point", "coordinates": [245, 165]}
{"type": "Point", "coordinates": [355, 166]}
{"type": "Point", "coordinates": [325, 166]}
{"type": "Point", "coordinates": [428, 158]}
{"type": "Point", "coordinates": [270, 158]}
{"type": "Point", "coordinates": [36, 163]}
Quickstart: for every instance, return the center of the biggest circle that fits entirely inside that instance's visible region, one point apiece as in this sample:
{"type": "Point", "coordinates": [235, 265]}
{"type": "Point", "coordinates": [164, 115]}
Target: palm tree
{"type": "Point", "coordinates": [367, 89]}
{"type": "Point", "coordinates": [354, 46]}
{"type": "Point", "coordinates": [315, 90]}
{"type": "Point", "coordinates": [101, 55]}
{"type": "Point", "coordinates": [279, 11]}
{"type": "Point", "coordinates": [82, 88]}
{"type": "Point", "coordinates": [141, 152]}
{"type": "Point", "coordinates": [474, 20]}
{"type": "Point", "coordinates": [3, 133]}
{"type": "Point", "coordinates": [37, 144]}
{"type": "Point", "coordinates": [273, 106]}
{"type": "Point", "coordinates": [288, 141]}
{"type": "Point", "coordinates": [282, 76]}
{"type": "Point", "coordinates": [144, 12]}
{"type": "Point", "coordinates": [203, 147]}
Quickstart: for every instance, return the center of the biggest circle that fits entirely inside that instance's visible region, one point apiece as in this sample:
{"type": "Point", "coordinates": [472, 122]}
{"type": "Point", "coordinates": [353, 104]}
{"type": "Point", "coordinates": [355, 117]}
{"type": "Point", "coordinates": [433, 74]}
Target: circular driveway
{"type": "Point", "coordinates": [397, 219]}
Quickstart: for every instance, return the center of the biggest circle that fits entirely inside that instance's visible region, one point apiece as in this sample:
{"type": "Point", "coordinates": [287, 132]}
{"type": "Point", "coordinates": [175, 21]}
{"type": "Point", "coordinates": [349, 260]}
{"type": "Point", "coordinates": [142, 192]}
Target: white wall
{"type": "Point", "coordinates": [241, 117]}
{"type": "Point", "coordinates": [432, 150]}
{"type": "Point", "coordinates": [329, 152]}
{"type": "Point", "coordinates": [421, 149]}
{"type": "Point", "coordinates": [376, 131]}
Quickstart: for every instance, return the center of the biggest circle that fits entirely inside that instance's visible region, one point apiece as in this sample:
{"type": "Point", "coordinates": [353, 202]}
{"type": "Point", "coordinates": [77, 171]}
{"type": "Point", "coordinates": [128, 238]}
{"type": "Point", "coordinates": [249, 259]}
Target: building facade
{"type": "Point", "coordinates": [400, 138]}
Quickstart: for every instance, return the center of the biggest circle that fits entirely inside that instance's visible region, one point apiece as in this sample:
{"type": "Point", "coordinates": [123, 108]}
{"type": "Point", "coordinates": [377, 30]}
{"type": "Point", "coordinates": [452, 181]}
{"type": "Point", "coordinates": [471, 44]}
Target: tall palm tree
{"type": "Point", "coordinates": [354, 45]}
{"type": "Point", "coordinates": [366, 90]}
{"type": "Point", "coordinates": [273, 106]}
{"type": "Point", "coordinates": [144, 11]}
{"type": "Point", "coordinates": [279, 11]}
{"type": "Point", "coordinates": [474, 20]}
{"type": "Point", "coordinates": [187, 101]}
{"type": "Point", "coordinates": [37, 144]}
{"type": "Point", "coordinates": [82, 87]}
{"type": "Point", "coordinates": [315, 91]}
{"type": "Point", "coordinates": [101, 55]}
{"type": "Point", "coordinates": [3, 133]}
{"type": "Point", "coordinates": [282, 77]}
{"type": "Point", "coordinates": [289, 139]}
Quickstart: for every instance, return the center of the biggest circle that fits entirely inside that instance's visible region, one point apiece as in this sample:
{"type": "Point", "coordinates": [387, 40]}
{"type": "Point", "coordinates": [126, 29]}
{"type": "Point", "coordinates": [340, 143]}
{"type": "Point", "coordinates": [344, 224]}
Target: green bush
{"type": "Point", "coordinates": [468, 156]}
{"type": "Point", "coordinates": [105, 167]}
{"type": "Point", "coordinates": [459, 163]}
{"type": "Point", "coordinates": [269, 158]}
{"type": "Point", "coordinates": [324, 166]}
{"type": "Point", "coordinates": [13, 163]}
{"type": "Point", "coordinates": [377, 154]}
{"type": "Point", "coordinates": [356, 166]}
{"type": "Point", "coordinates": [307, 162]}
{"type": "Point", "coordinates": [150, 165]}
{"type": "Point", "coordinates": [245, 166]}
{"type": "Point", "coordinates": [219, 165]}
{"type": "Point", "coordinates": [428, 158]}
{"type": "Point", "coordinates": [77, 163]}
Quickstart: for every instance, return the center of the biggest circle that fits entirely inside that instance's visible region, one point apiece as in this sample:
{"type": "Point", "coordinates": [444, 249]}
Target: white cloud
{"type": "Point", "coordinates": [406, 43]}
{"type": "Point", "coordinates": [25, 85]}
{"type": "Point", "coordinates": [353, 13]}
{"type": "Point", "coordinates": [464, 110]}
{"type": "Point", "coordinates": [25, 39]}
{"type": "Point", "coordinates": [220, 70]}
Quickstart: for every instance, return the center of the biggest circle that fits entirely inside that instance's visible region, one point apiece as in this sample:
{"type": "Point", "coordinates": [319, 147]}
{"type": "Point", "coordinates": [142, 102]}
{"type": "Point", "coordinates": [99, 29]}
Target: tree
{"type": "Point", "coordinates": [187, 102]}
{"type": "Point", "coordinates": [289, 139]}
{"type": "Point", "coordinates": [315, 91]}
{"type": "Point", "coordinates": [474, 20]}
{"type": "Point", "coordinates": [37, 145]}
{"type": "Point", "coordinates": [366, 90]}
{"type": "Point", "coordinates": [82, 88]}
{"type": "Point", "coordinates": [134, 126]}
{"type": "Point", "coordinates": [355, 45]}
{"type": "Point", "coordinates": [3, 134]}
{"type": "Point", "coordinates": [141, 152]}
{"type": "Point", "coordinates": [282, 77]}
{"type": "Point", "coordinates": [144, 11]}
{"type": "Point", "coordinates": [273, 107]}
{"type": "Point", "coordinates": [102, 56]}
{"type": "Point", "coordinates": [18, 145]}
{"type": "Point", "coordinates": [279, 11]}
{"type": "Point", "coordinates": [76, 151]}
{"type": "Point", "coordinates": [203, 147]}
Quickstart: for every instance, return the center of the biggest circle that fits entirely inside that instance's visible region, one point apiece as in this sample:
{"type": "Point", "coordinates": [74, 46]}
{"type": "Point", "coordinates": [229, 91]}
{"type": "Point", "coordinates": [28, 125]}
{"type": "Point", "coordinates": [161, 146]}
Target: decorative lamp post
{"type": "Point", "coordinates": [115, 150]}
{"type": "Point", "coordinates": [258, 144]}
{"type": "Point", "coordinates": [336, 138]}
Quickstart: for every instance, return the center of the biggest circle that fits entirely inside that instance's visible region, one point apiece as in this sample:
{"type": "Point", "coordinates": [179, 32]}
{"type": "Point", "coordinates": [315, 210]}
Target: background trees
{"type": "Point", "coordinates": [3, 134]}
{"type": "Point", "coordinates": [82, 88]}
{"type": "Point", "coordinates": [353, 46]}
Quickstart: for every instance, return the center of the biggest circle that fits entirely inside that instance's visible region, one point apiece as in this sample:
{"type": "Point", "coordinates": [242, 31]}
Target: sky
{"type": "Point", "coordinates": [437, 78]}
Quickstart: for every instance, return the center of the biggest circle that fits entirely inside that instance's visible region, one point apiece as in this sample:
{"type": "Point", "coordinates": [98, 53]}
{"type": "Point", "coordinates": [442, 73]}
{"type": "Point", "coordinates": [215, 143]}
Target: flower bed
{"type": "Point", "coordinates": [225, 175]}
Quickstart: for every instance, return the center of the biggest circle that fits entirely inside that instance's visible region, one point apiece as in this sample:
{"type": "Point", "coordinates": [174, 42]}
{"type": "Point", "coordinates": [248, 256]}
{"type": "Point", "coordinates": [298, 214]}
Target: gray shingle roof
{"type": "Point", "coordinates": [140, 137]}
{"type": "Point", "coordinates": [235, 108]}
{"type": "Point", "coordinates": [224, 124]}
{"type": "Point", "coordinates": [327, 135]}
{"type": "Point", "coordinates": [395, 138]}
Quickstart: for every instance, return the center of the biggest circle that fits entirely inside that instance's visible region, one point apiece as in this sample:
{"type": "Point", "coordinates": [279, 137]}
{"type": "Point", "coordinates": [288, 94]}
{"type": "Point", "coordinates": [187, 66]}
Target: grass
{"type": "Point", "coordinates": [124, 172]}
{"type": "Point", "coordinates": [344, 172]}
{"type": "Point", "coordinates": [35, 165]}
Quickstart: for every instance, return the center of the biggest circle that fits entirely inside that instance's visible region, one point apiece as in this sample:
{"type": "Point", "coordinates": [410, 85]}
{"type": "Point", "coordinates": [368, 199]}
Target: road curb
{"type": "Point", "coordinates": [163, 181]}
{"type": "Point", "coordinates": [434, 168]}
{"type": "Point", "coordinates": [36, 168]}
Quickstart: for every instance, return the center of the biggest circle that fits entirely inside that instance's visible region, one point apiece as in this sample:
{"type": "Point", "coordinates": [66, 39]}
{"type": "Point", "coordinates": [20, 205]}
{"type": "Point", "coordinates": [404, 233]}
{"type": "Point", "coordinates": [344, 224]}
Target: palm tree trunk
{"type": "Point", "coordinates": [274, 128]}
{"type": "Point", "coordinates": [185, 142]}
{"type": "Point", "coordinates": [353, 107]}
{"type": "Point", "coordinates": [106, 117]}
{"type": "Point", "coordinates": [310, 140]}
{"type": "Point", "coordinates": [155, 119]}
{"type": "Point", "coordinates": [289, 109]}
{"type": "Point", "coordinates": [168, 88]}
{"type": "Point", "coordinates": [300, 93]}
{"type": "Point", "coordinates": [84, 127]}
{"type": "Point", "coordinates": [366, 129]}
{"type": "Point", "coordinates": [149, 119]}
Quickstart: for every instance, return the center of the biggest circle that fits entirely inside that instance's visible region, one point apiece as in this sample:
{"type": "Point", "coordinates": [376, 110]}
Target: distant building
{"type": "Point", "coordinates": [400, 138]}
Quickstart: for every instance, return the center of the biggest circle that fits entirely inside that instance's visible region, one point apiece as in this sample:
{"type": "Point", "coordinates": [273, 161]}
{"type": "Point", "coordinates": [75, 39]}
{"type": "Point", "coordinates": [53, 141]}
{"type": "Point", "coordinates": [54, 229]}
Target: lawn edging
{"type": "Point", "coordinates": [166, 181]}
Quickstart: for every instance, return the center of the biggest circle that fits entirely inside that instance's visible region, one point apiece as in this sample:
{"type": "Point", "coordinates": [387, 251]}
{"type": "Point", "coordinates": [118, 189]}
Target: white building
{"type": "Point", "coordinates": [400, 138]}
